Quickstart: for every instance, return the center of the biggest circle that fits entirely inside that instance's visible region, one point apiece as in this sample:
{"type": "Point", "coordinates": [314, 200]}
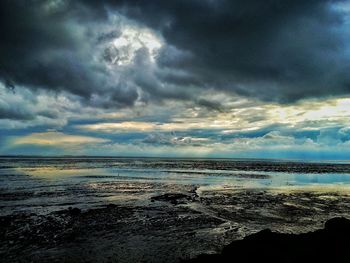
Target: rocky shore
{"type": "Point", "coordinates": [331, 244]}
{"type": "Point", "coordinates": [177, 226]}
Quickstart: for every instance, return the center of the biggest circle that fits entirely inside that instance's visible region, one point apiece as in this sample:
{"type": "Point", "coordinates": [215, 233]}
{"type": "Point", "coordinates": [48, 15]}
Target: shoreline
{"type": "Point", "coordinates": [168, 227]}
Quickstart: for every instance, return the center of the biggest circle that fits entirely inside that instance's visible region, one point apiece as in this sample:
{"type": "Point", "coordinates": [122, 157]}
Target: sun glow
{"type": "Point", "coordinates": [130, 41]}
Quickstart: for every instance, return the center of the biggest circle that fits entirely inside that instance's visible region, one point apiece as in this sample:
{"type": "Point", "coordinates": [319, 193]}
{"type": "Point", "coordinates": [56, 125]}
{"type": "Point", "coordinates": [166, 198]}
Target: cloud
{"type": "Point", "coordinates": [179, 125]}
{"type": "Point", "coordinates": [271, 50]}
{"type": "Point", "coordinates": [236, 116]}
{"type": "Point", "coordinates": [172, 139]}
{"type": "Point", "coordinates": [114, 54]}
{"type": "Point", "coordinates": [54, 138]}
{"type": "Point", "coordinates": [66, 46]}
{"type": "Point", "coordinates": [151, 75]}
{"type": "Point", "coordinates": [267, 144]}
{"type": "Point", "coordinates": [119, 127]}
{"type": "Point", "coordinates": [26, 108]}
{"type": "Point", "coordinates": [273, 144]}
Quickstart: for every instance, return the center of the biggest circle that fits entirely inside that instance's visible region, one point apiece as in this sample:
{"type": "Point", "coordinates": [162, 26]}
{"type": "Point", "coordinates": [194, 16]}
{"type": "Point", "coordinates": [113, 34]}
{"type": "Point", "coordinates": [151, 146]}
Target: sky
{"type": "Point", "coordinates": [184, 78]}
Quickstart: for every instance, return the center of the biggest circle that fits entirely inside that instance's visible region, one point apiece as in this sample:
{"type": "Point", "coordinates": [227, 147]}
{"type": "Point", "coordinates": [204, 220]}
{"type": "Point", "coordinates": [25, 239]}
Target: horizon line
{"type": "Point", "coordinates": [171, 157]}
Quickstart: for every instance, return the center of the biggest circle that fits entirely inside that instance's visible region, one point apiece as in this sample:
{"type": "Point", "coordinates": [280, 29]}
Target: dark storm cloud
{"type": "Point", "coordinates": [53, 45]}
{"type": "Point", "coordinates": [271, 50]}
{"type": "Point", "coordinates": [210, 105]}
{"type": "Point", "coordinates": [15, 114]}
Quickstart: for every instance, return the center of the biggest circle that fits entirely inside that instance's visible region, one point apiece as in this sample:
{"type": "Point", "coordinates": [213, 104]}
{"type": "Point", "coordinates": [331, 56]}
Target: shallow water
{"type": "Point", "coordinates": [164, 210]}
{"type": "Point", "coordinates": [46, 184]}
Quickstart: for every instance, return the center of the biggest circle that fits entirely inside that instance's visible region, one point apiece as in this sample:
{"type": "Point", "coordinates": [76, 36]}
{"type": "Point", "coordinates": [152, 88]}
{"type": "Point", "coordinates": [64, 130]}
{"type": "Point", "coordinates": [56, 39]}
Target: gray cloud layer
{"type": "Point", "coordinates": [271, 50]}
{"type": "Point", "coordinates": [274, 50]}
{"type": "Point", "coordinates": [54, 45]}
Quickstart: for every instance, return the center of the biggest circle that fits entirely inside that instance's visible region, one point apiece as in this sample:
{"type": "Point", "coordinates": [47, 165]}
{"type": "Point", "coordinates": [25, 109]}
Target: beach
{"type": "Point", "coordinates": [158, 210]}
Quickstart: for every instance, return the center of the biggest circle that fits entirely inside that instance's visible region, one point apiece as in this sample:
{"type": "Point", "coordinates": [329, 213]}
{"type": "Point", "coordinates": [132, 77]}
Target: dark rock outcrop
{"type": "Point", "coordinates": [331, 244]}
{"type": "Point", "coordinates": [173, 198]}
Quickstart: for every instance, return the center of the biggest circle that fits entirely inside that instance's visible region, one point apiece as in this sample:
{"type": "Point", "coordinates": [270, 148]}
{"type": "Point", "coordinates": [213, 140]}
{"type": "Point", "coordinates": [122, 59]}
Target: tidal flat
{"type": "Point", "coordinates": [158, 210]}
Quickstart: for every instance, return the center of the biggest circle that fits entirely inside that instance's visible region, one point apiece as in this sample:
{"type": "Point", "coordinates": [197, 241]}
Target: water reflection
{"type": "Point", "coordinates": [196, 177]}
{"type": "Point", "coordinates": [47, 184]}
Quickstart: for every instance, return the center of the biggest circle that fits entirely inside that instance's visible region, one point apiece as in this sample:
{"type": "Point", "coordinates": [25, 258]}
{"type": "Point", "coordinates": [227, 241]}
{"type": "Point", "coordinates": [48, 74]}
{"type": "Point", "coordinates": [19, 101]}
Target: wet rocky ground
{"type": "Point", "coordinates": [170, 224]}
{"type": "Point", "coordinates": [157, 210]}
{"type": "Point", "coordinates": [329, 244]}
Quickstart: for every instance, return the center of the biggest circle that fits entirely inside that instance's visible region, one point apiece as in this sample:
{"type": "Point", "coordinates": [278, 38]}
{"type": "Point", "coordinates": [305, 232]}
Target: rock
{"type": "Point", "coordinates": [74, 211]}
{"type": "Point", "coordinates": [339, 225]}
{"type": "Point", "coordinates": [110, 206]}
{"type": "Point", "coordinates": [173, 198]}
{"type": "Point", "coordinates": [330, 244]}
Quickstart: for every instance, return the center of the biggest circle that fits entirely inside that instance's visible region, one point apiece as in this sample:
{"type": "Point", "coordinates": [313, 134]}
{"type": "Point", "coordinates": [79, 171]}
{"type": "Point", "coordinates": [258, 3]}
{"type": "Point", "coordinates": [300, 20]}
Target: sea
{"type": "Point", "coordinates": [45, 184]}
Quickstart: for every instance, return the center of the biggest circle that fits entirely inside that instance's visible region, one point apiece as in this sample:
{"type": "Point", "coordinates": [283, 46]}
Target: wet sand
{"type": "Point", "coordinates": [150, 219]}
{"type": "Point", "coordinates": [166, 228]}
